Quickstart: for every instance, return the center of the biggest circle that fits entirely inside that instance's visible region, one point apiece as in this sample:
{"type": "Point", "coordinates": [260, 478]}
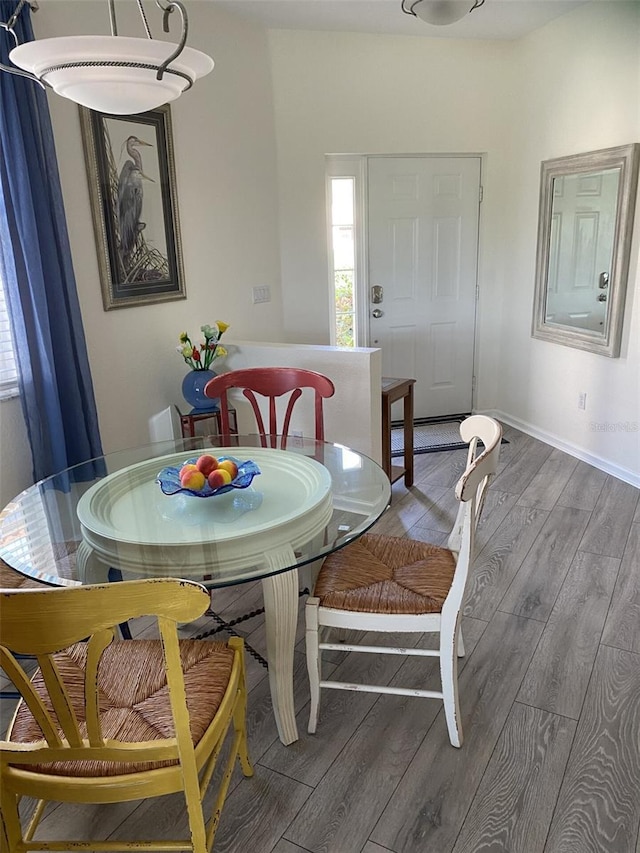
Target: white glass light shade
{"type": "Point", "coordinates": [442, 12]}
{"type": "Point", "coordinates": [114, 89]}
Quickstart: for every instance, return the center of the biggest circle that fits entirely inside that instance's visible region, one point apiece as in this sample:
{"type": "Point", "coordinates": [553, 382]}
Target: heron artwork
{"type": "Point", "coordinates": [130, 197]}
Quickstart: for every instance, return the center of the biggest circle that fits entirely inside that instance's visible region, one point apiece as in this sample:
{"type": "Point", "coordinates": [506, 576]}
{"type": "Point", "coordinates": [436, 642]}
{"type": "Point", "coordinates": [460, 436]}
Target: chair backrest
{"type": "Point", "coordinates": [84, 619]}
{"type": "Point", "coordinates": [471, 491]}
{"type": "Point", "coordinates": [271, 383]}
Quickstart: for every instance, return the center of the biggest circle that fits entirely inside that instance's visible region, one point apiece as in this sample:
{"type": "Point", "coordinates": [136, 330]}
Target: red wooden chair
{"type": "Point", "coordinates": [271, 383]}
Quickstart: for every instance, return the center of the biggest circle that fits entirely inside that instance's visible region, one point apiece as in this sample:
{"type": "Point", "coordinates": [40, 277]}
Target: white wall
{"type": "Point", "coordinates": [353, 416]}
{"type": "Point", "coordinates": [370, 94]}
{"type": "Point", "coordinates": [571, 86]}
{"type": "Point", "coordinates": [582, 78]}
{"type": "Point", "coordinates": [223, 135]}
{"type": "Point", "coordinates": [226, 182]}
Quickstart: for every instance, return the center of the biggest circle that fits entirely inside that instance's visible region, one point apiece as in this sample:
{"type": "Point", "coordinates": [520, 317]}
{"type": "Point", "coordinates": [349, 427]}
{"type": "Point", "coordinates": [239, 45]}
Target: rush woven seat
{"type": "Point", "coordinates": [386, 574]}
{"type": "Point", "coordinates": [391, 584]}
{"type": "Point", "coordinates": [111, 721]}
{"type": "Point", "coordinates": [134, 698]}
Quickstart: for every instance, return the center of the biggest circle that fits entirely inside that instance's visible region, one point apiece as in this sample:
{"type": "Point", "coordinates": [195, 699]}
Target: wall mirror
{"type": "Point", "coordinates": [584, 241]}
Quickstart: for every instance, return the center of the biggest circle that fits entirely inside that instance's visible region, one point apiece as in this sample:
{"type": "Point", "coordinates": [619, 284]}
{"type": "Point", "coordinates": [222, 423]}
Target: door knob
{"type": "Point", "coordinates": [603, 280]}
{"type": "Point", "coordinates": [602, 297]}
{"type": "Point", "coordinates": [376, 313]}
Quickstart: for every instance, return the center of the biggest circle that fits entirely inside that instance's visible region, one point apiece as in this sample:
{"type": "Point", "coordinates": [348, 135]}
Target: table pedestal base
{"type": "Point", "coordinates": [280, 594]}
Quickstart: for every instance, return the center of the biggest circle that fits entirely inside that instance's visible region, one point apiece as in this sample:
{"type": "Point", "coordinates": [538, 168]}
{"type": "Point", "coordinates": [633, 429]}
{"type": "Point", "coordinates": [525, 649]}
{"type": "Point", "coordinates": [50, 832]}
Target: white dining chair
{"type": "Point", "coordinates": [391, 584]}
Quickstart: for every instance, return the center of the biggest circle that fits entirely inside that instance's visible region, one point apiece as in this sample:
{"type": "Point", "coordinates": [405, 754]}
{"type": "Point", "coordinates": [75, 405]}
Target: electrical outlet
{"type": "Point", "coordinates": [296, 436]}
{"type": "Point", "coordinates": [582, 400]}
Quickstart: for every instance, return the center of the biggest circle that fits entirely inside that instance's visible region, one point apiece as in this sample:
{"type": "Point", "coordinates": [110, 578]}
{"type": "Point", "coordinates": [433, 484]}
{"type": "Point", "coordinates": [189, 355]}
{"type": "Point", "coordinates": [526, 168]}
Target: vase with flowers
{"type": "Point", "coordinates": [200, 357]}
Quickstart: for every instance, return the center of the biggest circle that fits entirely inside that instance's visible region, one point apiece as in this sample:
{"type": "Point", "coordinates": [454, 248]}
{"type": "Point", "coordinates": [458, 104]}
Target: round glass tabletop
{"type": "Point", "coordinates": [131, 512]}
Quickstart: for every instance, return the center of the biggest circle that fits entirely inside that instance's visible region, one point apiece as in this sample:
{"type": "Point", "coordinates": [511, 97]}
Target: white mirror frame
{"type": "Point", "coordinates": [626, 158]}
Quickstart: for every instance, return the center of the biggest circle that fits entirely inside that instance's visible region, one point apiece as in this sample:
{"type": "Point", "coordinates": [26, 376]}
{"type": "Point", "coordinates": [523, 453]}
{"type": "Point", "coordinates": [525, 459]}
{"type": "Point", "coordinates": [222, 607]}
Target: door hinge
{"type": "Point", "coordinates": [473, 383]}
{"type": "Point", "coordinates": [481, 193]}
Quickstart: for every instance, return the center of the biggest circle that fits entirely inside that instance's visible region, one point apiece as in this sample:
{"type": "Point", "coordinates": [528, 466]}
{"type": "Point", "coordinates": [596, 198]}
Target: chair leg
{"type": "Point", "coordinates": [449, 677]}
{"type": "Point", "coordinates": [240, 726]}
{"type": "Point", "coordinates": [10, 826]}
{"type": "Point", "coordinates": [314, 662]}
{"type": "Point", "coordinates": [240, 715]}
{"type": "Point", "coordinates": [460, 642]}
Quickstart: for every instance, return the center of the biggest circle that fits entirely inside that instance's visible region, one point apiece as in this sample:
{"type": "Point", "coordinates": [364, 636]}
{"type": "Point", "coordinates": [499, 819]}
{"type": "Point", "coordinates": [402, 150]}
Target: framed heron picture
{"type": "Point", "coordinates": [132, 188]}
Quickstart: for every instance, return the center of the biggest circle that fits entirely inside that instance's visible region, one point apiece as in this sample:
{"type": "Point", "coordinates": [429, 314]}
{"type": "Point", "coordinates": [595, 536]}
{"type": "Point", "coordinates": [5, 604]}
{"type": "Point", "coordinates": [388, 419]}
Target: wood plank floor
{"type": "Point", "coordinates": [549, 691]}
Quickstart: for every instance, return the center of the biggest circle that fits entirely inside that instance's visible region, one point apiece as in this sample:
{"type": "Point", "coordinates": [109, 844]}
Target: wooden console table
{"type": "Point", "coordinates": [393, 390]}
{"type": "Point", "coordinates": [188, 421]}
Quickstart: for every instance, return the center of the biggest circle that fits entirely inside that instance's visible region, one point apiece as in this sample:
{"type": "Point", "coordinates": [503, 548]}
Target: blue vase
{"type": "Point", "coordinates": [193, 389]}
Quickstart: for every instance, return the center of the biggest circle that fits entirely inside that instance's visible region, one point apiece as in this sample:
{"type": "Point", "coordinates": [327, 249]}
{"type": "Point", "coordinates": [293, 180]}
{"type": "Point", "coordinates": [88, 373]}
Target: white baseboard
{"type": "Point", "coordinates": [623, 474]}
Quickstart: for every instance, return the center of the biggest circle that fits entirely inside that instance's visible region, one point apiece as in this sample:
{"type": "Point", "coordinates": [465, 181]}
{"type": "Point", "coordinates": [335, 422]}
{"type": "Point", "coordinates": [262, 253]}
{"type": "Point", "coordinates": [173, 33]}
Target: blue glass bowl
{"type": "Point", "coordinates": [169, 479]}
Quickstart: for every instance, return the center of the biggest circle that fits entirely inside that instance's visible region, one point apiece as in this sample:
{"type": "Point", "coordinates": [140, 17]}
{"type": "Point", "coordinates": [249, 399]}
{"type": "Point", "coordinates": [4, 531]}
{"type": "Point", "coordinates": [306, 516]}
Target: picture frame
{"type": "Point", "coordinates": [132, 189]}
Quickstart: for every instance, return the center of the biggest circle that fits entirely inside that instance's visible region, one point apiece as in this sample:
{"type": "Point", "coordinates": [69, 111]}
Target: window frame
{"type": "Point", "coordinates": [8, 360]}
{"type": "Point", "coordinates": [349, 166]}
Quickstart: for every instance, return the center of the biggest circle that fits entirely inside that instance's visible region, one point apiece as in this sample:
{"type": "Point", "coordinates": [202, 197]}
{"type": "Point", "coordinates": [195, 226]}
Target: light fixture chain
{"type": "Point", "coordinates": [144, 18]}
{"type": "Point", "coordinates": [112, 18]}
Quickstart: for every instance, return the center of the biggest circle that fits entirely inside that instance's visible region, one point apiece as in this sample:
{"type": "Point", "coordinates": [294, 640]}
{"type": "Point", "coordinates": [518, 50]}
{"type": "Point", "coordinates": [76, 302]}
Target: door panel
{"type": "Point", "coordinates": [581, 249]}
{"type": "Point", "coordinates": [423, 235]}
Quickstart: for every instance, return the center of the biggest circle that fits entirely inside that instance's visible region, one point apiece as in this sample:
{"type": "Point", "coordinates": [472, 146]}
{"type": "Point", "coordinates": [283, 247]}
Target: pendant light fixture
{"type": "Point", "coordinates": [440, 12]}
{"type": "Point", "coordinates": [112, 74]}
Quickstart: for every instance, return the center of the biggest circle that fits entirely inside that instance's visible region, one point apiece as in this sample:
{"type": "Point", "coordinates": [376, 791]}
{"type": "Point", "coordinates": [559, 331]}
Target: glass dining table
{"type": "Point", "coordinates": [128, 511]}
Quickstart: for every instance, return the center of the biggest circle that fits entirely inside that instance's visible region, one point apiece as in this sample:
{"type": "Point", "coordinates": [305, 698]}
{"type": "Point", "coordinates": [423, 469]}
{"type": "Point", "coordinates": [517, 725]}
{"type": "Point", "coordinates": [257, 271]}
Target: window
{"type": "Point", "coordinates": [345, 204]}
{"type": "Point", "coordinates": [343, 252]}
{"type": "Point", "coordinates": [8, 372]}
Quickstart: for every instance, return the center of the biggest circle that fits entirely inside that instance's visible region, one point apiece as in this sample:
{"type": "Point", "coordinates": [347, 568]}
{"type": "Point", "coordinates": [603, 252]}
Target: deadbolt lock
{"type": "Point", "coordinates": [377, 313]}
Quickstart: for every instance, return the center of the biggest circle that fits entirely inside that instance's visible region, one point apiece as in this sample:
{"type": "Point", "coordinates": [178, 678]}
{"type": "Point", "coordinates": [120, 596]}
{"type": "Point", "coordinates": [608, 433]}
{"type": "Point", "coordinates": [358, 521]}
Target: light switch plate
{"type": "Point", "coordinates": [261, 294]}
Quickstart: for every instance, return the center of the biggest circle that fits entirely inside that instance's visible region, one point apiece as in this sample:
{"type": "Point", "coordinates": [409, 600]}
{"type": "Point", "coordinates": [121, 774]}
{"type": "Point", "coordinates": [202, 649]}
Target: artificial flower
{"type": "Point", "coordinates": [200, 356]}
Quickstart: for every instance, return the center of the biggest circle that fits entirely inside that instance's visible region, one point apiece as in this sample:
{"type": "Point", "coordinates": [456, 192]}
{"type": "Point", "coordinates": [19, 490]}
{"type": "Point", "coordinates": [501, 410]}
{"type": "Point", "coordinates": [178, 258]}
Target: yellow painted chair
{"type": "Point", "coordinates": [106, 721]}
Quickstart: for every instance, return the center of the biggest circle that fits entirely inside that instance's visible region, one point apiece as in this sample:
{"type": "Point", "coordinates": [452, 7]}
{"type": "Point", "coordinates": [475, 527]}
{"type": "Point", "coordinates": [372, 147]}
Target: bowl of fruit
{"type": "Point", "coordinates": [207, 476]}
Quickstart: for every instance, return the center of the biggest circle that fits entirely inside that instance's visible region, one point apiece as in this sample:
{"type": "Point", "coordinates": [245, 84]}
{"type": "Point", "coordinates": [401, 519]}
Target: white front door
{"type": "Point", "coordinates": [423, 247]}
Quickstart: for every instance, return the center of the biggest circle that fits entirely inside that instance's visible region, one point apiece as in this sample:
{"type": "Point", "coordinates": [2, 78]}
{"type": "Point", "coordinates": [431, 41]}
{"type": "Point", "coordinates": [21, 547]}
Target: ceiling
{"type": "Point", "coordinates": [496, 19]}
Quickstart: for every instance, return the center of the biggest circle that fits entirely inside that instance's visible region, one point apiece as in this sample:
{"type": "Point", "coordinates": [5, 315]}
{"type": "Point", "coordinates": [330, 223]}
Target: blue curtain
{"type": "Point", "coordinates": [35, 258]}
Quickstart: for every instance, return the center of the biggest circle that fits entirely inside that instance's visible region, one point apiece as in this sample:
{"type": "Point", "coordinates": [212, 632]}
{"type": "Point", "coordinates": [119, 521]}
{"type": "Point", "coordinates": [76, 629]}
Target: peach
{"type": "Point", "coordinates": [230, 466]}
{"type": "Point", "coordinates": [194, 480]}
{"type": "Point", "coordinates": [219, 477]}
{"type": "Point", "coordinates": [186, 471]}
{"type": "Point", "coordinates": [206, 464]}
